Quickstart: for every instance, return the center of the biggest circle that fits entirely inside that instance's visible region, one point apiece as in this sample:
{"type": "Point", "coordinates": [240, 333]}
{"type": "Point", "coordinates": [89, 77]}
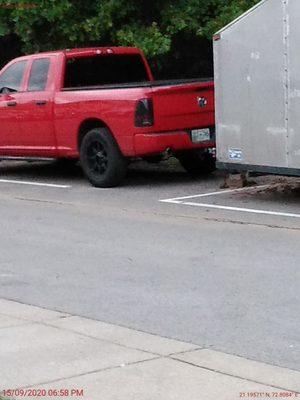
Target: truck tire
{"type": "Point", "coordinates": [197, 162]}
{"type": "Point", "coordinates": [101, 159]}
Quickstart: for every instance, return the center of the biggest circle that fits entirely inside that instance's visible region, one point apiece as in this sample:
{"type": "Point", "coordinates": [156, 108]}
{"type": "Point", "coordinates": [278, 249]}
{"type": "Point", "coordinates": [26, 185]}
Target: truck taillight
{"type": "Point", "coordinates": [144, 113]}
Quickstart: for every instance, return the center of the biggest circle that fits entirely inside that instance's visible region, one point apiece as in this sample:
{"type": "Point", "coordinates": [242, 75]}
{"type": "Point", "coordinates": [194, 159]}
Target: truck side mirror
{"type": "Point", "coordinates": [7, 90]}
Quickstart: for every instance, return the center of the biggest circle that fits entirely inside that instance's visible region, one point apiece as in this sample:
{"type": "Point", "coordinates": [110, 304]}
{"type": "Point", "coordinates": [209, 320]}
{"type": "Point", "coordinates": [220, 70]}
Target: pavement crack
{"type": "Point", "coordinates": [272, 226]}
{"type": "Point", "coordinates": [88, 373]}
{"type": "Point", "coordinates": [234, 376]}
{"type": "Point", "coordinates": [25, 323]}
{"type": "Point", "coordinates": [185, 352]}
{"type": "Point", "coordinates": [43, 201]}
{"type": "Point", "coordinates": [46, 323]}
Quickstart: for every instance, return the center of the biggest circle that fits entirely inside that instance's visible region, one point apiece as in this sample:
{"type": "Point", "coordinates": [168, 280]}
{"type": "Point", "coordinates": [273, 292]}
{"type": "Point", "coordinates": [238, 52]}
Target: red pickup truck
{"type": "Point", "coordinates": [103, 107]}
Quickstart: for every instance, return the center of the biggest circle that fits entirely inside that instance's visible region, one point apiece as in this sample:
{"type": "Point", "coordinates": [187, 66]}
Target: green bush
{"type": "Point", "coordinates": [154, 26]}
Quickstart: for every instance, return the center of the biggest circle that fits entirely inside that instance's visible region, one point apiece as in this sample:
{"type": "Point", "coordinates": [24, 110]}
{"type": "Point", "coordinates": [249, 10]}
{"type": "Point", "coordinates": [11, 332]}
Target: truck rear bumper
{"type": "Point", "coordinates": [156, 143]}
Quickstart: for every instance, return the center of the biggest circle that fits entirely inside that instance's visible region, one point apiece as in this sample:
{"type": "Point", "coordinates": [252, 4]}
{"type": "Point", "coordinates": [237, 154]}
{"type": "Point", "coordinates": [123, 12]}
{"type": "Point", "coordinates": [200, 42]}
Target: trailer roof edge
{"type": "Point", "coordinates": [244, 15]}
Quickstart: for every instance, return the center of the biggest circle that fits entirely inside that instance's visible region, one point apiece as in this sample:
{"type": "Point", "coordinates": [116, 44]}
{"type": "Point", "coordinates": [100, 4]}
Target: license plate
{"type": "Point", "coordinates": [200, 135]}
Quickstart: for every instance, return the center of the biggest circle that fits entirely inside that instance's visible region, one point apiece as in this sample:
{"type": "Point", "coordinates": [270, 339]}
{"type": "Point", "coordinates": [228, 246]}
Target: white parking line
{"type": "Point", "coordinates": [247, 210]}
{"type": "Point", "coordinates": [180, 201]}
{"type": "Point", "coordinates": [34, 183]}
{"type": "Point", "coordinates": [251, 188]}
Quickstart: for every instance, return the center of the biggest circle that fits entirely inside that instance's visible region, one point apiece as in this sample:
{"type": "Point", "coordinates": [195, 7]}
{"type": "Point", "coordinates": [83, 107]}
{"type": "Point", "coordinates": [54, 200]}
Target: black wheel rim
{"type": "Point", "coordinates": [97, 157]}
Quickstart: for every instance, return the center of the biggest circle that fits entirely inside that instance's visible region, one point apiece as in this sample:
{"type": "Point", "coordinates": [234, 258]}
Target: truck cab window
{"type": "Point", "coordinates": [39, 75]}
{"type": "Point", "coordinates": [11, 79]}
{"type": "Point", "coordinates": [105, 70]}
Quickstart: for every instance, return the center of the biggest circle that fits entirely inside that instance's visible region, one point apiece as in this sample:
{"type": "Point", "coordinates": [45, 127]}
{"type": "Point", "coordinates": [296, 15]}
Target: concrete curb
{"type": "Point", "coordinates": [51, 352]}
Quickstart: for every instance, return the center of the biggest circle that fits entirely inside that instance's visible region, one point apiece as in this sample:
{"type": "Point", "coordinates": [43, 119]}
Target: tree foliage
{"type": "Point", "coordinates": [153, 25]}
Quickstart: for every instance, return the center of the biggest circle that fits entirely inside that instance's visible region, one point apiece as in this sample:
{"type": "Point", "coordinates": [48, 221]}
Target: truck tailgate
{"type": "Point", "coordinates": [184, 106]}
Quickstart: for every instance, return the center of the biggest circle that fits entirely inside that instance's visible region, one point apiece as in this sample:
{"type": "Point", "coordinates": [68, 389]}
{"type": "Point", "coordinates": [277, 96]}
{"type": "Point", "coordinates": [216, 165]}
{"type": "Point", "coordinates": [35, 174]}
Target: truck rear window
{"type": "Point", "coordinates": [105, 70]}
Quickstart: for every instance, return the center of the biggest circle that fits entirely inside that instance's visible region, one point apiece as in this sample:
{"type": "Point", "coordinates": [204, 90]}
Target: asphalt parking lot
{"type": "Point", "coordinates": [164, 254]}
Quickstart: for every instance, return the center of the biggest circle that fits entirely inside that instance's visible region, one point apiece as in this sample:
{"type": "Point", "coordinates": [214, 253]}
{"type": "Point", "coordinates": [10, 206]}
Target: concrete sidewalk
{"type": "Point", "coordinates": [54, 355]}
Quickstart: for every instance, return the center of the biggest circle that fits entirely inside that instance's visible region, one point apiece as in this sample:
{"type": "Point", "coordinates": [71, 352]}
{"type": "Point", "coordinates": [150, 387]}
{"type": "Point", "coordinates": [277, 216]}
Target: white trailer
{"type": "Point", "coordinates": [257, 78]}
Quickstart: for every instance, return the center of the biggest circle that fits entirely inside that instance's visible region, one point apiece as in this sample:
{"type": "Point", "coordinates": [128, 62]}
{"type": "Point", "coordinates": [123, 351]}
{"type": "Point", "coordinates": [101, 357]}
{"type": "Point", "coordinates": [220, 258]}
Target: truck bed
{"type": "Point", "coordinates": [146, 84]}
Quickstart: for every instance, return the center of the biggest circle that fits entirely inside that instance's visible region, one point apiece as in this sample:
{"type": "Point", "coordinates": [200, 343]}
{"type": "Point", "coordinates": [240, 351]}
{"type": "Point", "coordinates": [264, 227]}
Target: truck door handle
{"type": "Point", "coordinates": [41, 102]}
{"type": "Point", "coordinates": [11, 103]}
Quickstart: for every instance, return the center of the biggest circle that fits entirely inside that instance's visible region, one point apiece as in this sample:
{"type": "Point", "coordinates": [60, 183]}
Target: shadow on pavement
{"type": "Point", "coordinates": [140, 173]}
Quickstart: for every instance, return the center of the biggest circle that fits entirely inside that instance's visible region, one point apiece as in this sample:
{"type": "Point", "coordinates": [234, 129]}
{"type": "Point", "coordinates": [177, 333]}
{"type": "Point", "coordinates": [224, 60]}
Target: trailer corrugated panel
{"type": "Point", "coordinates": [293, 29]}
{"type": "Point", "coordinates": [257, 76]}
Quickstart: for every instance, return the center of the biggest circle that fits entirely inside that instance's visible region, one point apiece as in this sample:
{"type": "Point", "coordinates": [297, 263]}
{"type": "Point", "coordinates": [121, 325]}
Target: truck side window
{"type": "Point", "coordinates": [12, 77]}
{"type": "Point", "coordinates": [39, 75]}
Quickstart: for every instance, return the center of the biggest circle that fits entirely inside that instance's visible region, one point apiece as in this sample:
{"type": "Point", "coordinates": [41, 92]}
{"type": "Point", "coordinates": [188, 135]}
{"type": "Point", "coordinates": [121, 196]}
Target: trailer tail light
{"type": "Point", "coordinates": [144, 113]}
{"type": "Point", "coordinates": [217, 37]}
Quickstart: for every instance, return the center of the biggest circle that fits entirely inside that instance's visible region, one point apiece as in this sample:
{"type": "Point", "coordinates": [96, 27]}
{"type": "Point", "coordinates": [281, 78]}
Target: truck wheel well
{"type": "Point", "coordinates": [88, 125]}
